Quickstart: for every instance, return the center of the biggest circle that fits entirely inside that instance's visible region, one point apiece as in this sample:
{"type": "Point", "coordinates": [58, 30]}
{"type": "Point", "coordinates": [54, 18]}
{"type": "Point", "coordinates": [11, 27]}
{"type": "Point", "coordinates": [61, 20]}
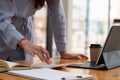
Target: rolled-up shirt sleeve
{"type": "Point", "coordinates": [8, 32]}
{"type": "Point", "coordinates": [57, 18]}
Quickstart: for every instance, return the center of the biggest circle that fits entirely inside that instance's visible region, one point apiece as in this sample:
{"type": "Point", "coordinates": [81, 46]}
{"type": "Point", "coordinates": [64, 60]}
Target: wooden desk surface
{"type": "Point", "coordinates": [113, 74]}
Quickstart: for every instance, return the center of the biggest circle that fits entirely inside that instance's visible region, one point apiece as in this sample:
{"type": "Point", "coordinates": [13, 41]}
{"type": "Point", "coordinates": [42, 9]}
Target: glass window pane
{"type": "Point", "coordinates": [89, 23]}
{"type": "Point", "coordinates": [115, 9]}
{"type": "Point", "coordinates": [40, 27]}
{"type": "Point", "coordinates": [78, 25]}
{"type": "Point", "coordinates": [98, 21]}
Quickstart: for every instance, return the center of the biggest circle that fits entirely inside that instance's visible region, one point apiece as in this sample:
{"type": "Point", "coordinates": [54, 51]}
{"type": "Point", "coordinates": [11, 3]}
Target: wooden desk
{"type": "Point", "coordinates": [113, 74]}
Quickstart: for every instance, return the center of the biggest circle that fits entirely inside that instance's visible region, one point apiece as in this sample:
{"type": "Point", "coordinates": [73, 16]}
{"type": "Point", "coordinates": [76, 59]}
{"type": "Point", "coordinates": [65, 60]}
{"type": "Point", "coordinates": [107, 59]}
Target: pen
{"type": "Point", "coordinates": [78, 78]}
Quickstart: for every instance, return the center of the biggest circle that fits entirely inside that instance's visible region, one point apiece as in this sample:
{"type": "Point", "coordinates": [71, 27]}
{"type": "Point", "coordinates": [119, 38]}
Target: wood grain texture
{"type": "Point", "coordinates": [113, 74]}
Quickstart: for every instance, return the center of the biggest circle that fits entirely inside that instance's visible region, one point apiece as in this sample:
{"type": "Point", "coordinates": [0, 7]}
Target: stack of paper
{"type": "Point", "coordinates": [49, 74]}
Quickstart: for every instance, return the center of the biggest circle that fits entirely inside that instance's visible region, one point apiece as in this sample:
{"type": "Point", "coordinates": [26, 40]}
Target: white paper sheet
{"type": "Point", "coordinates": [46, 73]}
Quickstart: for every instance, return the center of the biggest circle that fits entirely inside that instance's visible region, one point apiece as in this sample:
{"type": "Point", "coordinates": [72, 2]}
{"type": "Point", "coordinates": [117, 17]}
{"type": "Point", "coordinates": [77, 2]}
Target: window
{"type": "Point", "coordinates": [89, 23]}
{"type": "Point", "coordinates": [40, 19]}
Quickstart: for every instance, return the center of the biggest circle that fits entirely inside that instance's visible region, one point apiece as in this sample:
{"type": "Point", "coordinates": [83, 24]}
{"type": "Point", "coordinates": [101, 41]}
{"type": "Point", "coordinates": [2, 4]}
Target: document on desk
{"type": "Point", "coordinates": [49, 74]}
{"type": "Point", "coordinates": [53, 65]}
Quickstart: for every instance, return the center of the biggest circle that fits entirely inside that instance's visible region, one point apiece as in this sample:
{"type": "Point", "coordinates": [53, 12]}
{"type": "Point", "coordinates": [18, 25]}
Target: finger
{"type": "Point", "coordinates": [79, 57]}
{"type": "Point", "coordinates": [46, 53]}
{"type": "Point", "coordinates": [46, 56]}
{"type": "Point", "coordinates": [42, 56]}
{"type": "Point", "coordinates": [32, 53]}
{"type": "Point", "coordinates": [46, 59]}
{"type": "Point", "coordinates": [83, 56]}
{"type": "Point", "coordinates": [39, 54]}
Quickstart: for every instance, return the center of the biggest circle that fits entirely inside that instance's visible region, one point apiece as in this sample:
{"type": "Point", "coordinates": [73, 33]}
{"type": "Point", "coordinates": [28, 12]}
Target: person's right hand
{"type": "Point", "coordinates": [33, 50]}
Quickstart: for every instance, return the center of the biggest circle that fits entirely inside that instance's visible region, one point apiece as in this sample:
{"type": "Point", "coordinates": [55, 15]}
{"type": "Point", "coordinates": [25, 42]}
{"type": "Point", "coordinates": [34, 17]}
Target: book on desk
{"type": "Point", "coordinates": [8, 66]}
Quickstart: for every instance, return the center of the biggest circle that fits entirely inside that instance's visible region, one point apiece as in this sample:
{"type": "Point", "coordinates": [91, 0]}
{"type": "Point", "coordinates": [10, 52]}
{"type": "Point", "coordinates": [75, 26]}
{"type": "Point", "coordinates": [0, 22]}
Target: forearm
{"type": "Point", "coordinates": [9, 34]}
{"type": "Point", "coordinates": [57, 17]}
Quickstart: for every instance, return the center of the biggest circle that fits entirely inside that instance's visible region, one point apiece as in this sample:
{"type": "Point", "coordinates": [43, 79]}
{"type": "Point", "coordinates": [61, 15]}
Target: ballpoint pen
{"type": "Point", "coordinates": [78, 78]}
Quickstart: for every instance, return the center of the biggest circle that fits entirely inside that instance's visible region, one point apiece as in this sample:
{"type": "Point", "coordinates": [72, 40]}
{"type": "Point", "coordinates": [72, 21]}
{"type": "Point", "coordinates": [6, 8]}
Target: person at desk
{"type": "Point", "coordinates": [16, 30]}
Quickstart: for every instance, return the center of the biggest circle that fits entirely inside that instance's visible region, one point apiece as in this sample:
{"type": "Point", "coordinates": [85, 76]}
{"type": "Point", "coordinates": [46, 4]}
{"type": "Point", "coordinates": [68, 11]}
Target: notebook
{"type": "Point", "coordinates": [110, 54]}
{"type": "Point", "coordinates": [8, 66]}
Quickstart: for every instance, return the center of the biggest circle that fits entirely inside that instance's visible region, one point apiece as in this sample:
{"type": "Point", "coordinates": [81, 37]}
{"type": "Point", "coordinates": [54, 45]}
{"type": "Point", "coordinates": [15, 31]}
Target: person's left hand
{"type": "Point", "coordinates": [67, 55]}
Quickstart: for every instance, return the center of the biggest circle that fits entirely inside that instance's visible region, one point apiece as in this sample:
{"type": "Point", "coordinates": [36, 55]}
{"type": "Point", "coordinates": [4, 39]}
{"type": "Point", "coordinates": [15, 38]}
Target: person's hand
{"type": "Point", "coordinates": [67, 55]}
{"type": "Point", "coordinates": [33, 50]}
